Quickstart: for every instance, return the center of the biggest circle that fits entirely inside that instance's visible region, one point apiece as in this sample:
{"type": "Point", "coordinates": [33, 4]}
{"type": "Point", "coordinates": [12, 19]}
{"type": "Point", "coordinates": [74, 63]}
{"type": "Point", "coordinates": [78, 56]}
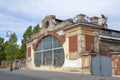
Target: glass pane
{"type": "Point", "coordinates": [47, 43]}
{"type": "Point", "coordinates": [56, 43]}
{"type": "Point", "coordinates": [58, 57]}
{"type": "Point", "coordinates": [47, 58]}
{"type": "Point", "coordinates": [44, 43]}
{"type": "Point", "coordinates": [39, 47]}
{"type": "Point", "coordinates": [37, 59]}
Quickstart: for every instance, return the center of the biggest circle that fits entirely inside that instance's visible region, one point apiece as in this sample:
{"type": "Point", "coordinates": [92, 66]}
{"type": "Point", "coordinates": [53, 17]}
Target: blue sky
{"type": "Point", "coordinates": [17, 15]}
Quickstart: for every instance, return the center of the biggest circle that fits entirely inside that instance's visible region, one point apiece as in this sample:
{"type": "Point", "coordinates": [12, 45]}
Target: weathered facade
{"type": "Point", "coordinates": [110, 44]}
{"type": "Point", "coordinates": [73, 45]}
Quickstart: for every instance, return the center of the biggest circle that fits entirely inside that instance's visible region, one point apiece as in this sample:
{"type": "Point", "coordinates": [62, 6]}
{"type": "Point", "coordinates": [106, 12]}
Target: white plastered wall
{"type": "Point", "coordinates": [76, 63]}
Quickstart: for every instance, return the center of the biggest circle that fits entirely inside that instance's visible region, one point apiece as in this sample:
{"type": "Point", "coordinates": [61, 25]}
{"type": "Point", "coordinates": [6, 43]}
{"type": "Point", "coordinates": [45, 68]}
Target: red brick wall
{"type": "Point", "coordinates": [116, 64]}
{"type": "Point", "coordinates": [73, 43]}
{"type": "Point", "coordinates": [89, 41]}
{"type": "Point", "coordinates": [5, 64]}
{"type": "Point", "coordinates": [29, 52]}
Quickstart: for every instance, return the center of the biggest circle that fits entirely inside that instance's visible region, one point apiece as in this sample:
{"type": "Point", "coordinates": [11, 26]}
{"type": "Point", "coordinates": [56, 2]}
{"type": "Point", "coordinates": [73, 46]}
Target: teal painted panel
{"type": "Point", "coordinates": [101, 66]}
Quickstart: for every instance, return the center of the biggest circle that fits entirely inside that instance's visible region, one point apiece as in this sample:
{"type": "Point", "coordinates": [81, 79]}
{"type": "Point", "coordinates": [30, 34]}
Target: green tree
{"type": "Point", "coordinates": [11, 47]}
{"type": "Point", "coordinates": [26, 34]}
{"type": "Point", "coordinates": [36, 29]}
{"type": "Point", "coordinates": [2, 55]}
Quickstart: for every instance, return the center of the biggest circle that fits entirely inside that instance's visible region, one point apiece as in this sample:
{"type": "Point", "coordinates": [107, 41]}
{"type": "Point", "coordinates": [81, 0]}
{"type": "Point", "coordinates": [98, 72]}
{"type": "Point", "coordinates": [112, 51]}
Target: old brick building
{"type": "Point", "coordinates": [75, 45]}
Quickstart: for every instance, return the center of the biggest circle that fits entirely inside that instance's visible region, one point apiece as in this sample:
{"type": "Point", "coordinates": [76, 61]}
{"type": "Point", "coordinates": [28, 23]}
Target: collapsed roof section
{"type": "Point", "coordinates": [51, 23]}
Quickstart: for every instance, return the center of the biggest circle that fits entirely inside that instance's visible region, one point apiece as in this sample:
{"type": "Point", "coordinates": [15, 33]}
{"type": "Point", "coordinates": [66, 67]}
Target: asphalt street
{"type": "Point", "coordinates": [13, 76]}
{"type": "Point", "coordinates": [48, 75]}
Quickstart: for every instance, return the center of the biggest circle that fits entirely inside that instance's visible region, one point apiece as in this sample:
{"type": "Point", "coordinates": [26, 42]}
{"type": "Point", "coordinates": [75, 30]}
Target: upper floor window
{"type": "Point", "coordinates": [46, 24]}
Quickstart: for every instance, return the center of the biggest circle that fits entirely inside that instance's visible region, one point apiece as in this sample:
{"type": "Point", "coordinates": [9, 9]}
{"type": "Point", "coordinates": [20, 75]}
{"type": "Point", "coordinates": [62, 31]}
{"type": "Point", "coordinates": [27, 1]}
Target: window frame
{"type": "Point", "coordinates": [42, 48]}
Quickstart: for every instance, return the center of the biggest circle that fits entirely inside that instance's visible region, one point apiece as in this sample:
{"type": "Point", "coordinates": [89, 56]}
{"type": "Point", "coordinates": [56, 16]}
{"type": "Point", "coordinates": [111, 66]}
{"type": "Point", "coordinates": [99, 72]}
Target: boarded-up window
{"type": "Point", "coordinates": [89, 41]}
{"type": "Point", "coordinates": [29, 52]}
{"type": "Point", "coordinates": [73, 43]}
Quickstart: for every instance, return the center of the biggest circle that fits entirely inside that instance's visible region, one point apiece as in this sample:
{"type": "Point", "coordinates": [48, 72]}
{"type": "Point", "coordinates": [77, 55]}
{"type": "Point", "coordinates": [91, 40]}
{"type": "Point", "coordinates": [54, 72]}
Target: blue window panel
{"type": "Point", "coordinates": [49, 52]}
{"type": "Point", "coordinates": [37, 59]}
{"type": "Point", "coordinates": [58, 57]}
{"type": "Point", "coordinates": [47, 58]}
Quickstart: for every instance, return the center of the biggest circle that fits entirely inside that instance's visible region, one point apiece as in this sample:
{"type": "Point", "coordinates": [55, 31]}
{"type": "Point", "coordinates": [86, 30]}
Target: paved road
{"type": "Point", "coordinates": [48, 75]}
{"type": "Point", "coordinates": [5, 75]}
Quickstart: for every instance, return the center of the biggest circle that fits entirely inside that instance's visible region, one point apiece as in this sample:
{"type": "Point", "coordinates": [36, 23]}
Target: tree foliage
{"type": "Point", "coordinates": [36, 29]}
{"type": "Point", "coordinates": [11, 48]}
{"type": "Point", "coordinates": [29, 31]}
{"type": "Point", "coordinates": [2, 55]}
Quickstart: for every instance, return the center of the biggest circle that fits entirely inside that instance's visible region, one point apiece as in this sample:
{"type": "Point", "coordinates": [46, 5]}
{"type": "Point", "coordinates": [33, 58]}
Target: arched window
{"type": "Point", "coordinates": [47, 24]}
{"type": "Point", "coordinates": [49, 52]}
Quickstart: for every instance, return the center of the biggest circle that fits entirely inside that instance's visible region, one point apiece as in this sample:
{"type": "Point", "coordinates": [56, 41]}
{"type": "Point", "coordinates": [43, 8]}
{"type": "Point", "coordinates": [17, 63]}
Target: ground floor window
{"type": "Point", "coordinates": [49, 52]}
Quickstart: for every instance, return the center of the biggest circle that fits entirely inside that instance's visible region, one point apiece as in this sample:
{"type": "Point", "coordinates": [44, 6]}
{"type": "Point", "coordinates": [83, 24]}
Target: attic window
{"type": "Point", "coordinates": [47, 24]}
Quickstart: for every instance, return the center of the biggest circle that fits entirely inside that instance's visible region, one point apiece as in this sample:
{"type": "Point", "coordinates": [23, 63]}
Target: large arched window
{"type": "Point", "coordinates": [49, 52]}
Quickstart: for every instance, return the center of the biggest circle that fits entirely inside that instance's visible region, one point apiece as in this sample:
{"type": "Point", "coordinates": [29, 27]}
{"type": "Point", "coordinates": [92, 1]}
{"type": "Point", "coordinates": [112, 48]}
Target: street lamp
{"type": "Point", "coordinates": [9, 33]}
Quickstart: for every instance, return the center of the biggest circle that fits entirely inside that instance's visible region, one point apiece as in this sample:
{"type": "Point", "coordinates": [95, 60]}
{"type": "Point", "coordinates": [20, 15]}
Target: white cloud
{"type": "Point", "coordinates": [35, 8]}
{"type": "Point", "coordinates": [17, 15]}
{"type": "Point", "coordinates": [13, 23]}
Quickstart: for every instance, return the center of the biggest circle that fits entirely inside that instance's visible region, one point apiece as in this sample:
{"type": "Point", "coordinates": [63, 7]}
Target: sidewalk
{"type": "Point", "coordinates": [50, 75]}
